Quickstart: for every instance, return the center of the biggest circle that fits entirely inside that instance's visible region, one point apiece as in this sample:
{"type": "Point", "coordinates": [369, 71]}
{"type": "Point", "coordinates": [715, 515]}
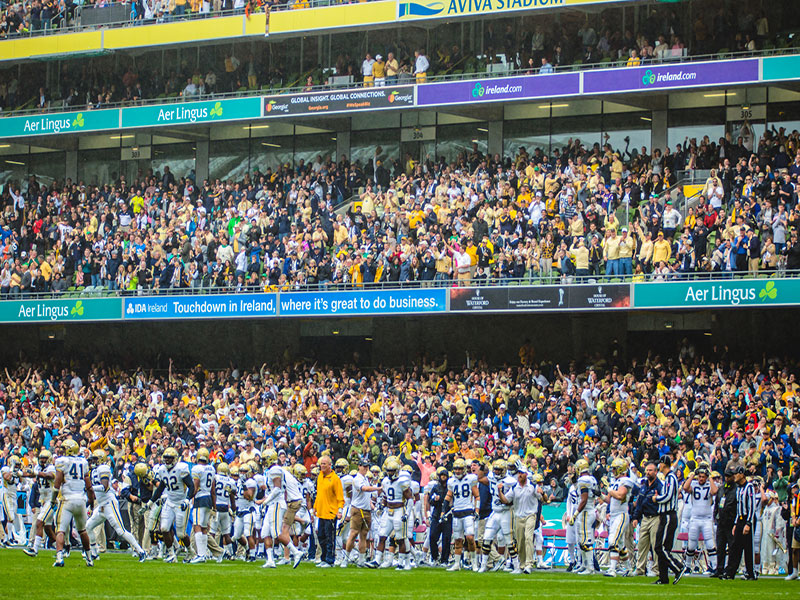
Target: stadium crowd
{"type": "Point", "coordinates": [531, 217]}
{"type": "Point", "coordinates": [719, 412]}
{"type": "Point", "coordinates": [96, 82]}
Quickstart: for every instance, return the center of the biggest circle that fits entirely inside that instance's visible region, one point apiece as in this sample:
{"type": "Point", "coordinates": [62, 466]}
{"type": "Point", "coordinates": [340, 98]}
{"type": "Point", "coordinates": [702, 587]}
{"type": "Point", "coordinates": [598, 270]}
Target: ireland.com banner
{"type": "Point", "coordinates": [499, 89]}
{"type": "Point", "coordinates": [680, 75]}
{"type": "Point", "coordinates": [59, 311]}
{"type": "Point", "coordinates": [704, 294]}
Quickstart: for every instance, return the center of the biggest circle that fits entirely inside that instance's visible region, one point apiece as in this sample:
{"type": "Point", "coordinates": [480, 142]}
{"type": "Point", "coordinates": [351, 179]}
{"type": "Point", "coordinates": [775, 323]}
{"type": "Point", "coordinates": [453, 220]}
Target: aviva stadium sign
{"type": "Point", "coordinates": [423, 9]}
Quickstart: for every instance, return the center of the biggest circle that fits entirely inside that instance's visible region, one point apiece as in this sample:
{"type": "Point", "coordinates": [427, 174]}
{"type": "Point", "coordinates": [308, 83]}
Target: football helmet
{"type": "Point", "coordinates": [341, 465]}
{"type": "Point", "coordinates": [619, 466]}
{"type": "Point", "coordinates": [245, 470]}
{"type": "Point", "coordinates": [499, 467]}
{"type": "Point", "coordinates": [142, 471]}
{"type": "Point", "coordinates": [442, 472]}
{"type": "Point", "coordinates": [99, 457]}
{"type": "Point", "coordinates": [269, 458]}
{"type": "Point", "coordinates": [392, 468]}
{"type": "Point", "coordinates": [459, 464]}
{"type": "Point", "coordinates": [300, 472]}
{"type": "Point", "coordinates": [203, 456]}
{"type": "Point", "coordinates": [581, 466]}
{"type": "Point", "coordinates": [406, 469]}
{"type": "Point", "coordinates": [234, 471]}
{"type": "Point", "coordinates": [71, 447]}
{"type": "Point", "coordinates": [538, 478]}
{"type": "Point", "coordinates": [223, 469]}
{"type": "Point", "coordinates": [44, 458]}
{"type": "Point", "coordinates": [170, 457]}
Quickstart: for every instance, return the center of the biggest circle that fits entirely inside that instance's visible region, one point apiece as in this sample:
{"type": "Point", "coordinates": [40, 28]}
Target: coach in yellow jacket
{"type": "Point", "coordinates": [328, 506]}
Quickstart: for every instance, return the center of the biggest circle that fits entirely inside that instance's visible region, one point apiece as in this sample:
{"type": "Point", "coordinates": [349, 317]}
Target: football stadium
{"type": "Point", "coordinates": [399, 298]}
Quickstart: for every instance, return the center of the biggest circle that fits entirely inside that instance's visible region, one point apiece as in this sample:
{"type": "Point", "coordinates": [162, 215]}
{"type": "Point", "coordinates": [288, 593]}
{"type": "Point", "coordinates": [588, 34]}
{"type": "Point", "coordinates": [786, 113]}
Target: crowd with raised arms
{"type": "Point", "coordinates": [432, 464]}
{"type": "Point", "coordinates": [533, 217]}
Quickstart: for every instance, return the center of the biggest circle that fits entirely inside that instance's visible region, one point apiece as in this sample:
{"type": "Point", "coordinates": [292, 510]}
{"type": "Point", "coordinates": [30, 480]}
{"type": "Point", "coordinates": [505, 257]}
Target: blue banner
{"type": "Point", "coordinates": [223, 306]}
{"type": "Point", "coordinates": [373, 302]}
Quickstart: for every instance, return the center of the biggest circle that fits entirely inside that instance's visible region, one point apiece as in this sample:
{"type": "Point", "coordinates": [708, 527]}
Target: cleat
{"type": "Point", "coordinates": [142, 556]}
{"type": "Point", "coordinates": [680, 574]}
{"type": "Point", "coordinates": [372, 565]}
{"type": "Point", "coordinates": [197, 560]}
{"type": "Point", "coordinates": [324, 565]}
{"type": "Point", "coordinates": [516, 571]}
{"type": "Point", "coordinates": [297, 559]}
{"type": "Point", "coordinates": [30, 551]}
{"type": "Point", "coordinates": [455, 567]}
{"type": "Point", "coordinates": [483, 569]}
{"type": "Point", "coordinates": [610, 573]}
{"type": "Point", "coordinates": [59, 563]}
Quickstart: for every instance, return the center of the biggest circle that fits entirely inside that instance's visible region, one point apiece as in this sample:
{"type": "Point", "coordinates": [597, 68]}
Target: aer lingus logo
{"type": "Point", "coordinates": [78, 122]}
{"type": "Point", "coordinates": [217, 110]}
{"type": "Point", "coordinates": [77, 310]}
{"type": "Point", "coordinates": [769, 292]}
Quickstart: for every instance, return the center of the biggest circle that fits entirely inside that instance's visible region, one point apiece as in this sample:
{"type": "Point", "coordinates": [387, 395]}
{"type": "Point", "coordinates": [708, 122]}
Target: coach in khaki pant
{"type": "Point", "coordinates": [527, 497]}
{"type": "Point", "coordinates": [646, 514]}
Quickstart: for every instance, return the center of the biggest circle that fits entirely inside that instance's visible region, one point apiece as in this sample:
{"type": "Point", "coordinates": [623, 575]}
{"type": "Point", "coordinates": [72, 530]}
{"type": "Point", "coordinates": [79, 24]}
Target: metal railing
{"type": "Point", "coordinates": [532, 281]}
{"type": "Point", "coordinates": [279, 90]}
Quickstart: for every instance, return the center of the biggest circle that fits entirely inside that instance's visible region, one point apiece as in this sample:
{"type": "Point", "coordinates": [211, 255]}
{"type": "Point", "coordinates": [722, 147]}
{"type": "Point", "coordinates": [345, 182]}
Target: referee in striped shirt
{"type": "Point", "coordinates": [743, 529]}
{"type": "Point", "coordinates": [667, 502]}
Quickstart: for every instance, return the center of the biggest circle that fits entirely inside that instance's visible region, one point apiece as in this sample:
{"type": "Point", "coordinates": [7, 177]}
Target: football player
{"type": "Point", "coordinates": [396, 491]}
{"type": "Point", "coordinates": [11, 474]}
{"type": "Point", "coordinates": [360, 514]}
{"type": "Point", "coordinates": [73, 485]}
{"type": "Point", "coordinates": [341, 467]}
{"type": "Point", "coordinates": [463, 499]}
{"type": "Point", "coordinates": [285, 485]}
{"type": "Point", "coordinates": [245, 508]}
{"type": "Point", "coordinates": [303, 523]}
{"type": "Point", "coordinates": [106, 507]}
{"type": "Point", "coordinates": [703, 493]}
{"type": "Point", "coordinates": [275, 502]}
{"type": "Point", "coordinates": [574, 559]}
{"type": "Point", "coordinates": [225, 505]}
{"type": "Point", "coordinates": [619, 492]}
{"type": "Point", "coordinates": [498, 528]}
{"type": "Point", "coordinates": [45, 475]}
{"type": "Point", "coordinates": [584, 515]}
{"type": "Point", "coordinates": [175, 482]}
{"type": "Point", "coordinates": [205, 499]}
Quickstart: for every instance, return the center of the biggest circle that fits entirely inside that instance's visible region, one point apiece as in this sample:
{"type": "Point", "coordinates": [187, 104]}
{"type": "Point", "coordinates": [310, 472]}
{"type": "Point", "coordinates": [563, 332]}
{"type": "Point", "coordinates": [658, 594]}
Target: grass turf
{"type": "Point", "coordinates": [121, 577]}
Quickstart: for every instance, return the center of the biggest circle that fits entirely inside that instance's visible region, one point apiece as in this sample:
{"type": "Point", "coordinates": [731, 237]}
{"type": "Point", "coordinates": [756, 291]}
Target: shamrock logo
{"type": "Point", "coordinates": [78, 122]}
{"type": "Point", "coordinates": [77, 310]}
{"type": "Point", "coordinates": [769, 291]}
{"type": "Point", "coordinates": [477, 91]}
{"type": "Point", "coordinates": [217, 110]}
{"type": "Point", "coordinates": [649, 77]}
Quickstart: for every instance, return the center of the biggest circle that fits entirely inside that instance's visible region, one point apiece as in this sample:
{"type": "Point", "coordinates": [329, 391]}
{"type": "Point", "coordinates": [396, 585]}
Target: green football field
{"type": "Point", "coordinates": [121, 576]}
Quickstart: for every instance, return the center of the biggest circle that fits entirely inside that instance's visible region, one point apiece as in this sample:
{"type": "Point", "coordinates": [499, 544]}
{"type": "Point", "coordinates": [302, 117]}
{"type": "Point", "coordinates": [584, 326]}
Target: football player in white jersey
{"type": "Point", "coordinates": [246, 488]}
{"type": "Point", "coordinates": [175, 483]}
{"type": "Point", "coordinates": [498, 528]}
{"type": "Point", "coordinates": [619, 492]}
{"type": "Point", "coordinates": [570, 525]}
{"type": "Point", "coordinates": [225, 504]}
{"type": "Point", "coordinates": [360, 514]}
{"type": "Point", "coordinates": [73, 485]}
{"type": "Point", "coordinates": [106, 507]}
{"type": "Point", "coordinates": [303, 523]}
{"type": "Point", "coordinates": [703, 492]}
{"type": "Point", "coordinates": [584, 515]}
{"type": "Point", "coordinates": [396, 491]}
{"type": "Point", "coordinates": [275, 504]}
{"type": "Point", "coordinates": [414, 510]}
{"type": "Point", "coordinates": [205, 499]}
{"type": "Point", "coordinates": [45, 475]}
{"type": "Point", "coordinates": [285, 485]}
{"type": "Point", "coordinates": [11, 474]}
{"type": "Point", "coordinates": [464, 499]}
{"type": "Point", "coordinates": [341, 467]}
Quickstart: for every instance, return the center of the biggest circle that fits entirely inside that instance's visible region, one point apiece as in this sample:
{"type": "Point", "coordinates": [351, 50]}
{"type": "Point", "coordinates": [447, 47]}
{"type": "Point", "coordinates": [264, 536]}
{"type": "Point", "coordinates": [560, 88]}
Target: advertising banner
{"type": "Point", "coordinates": [496, 89]}
{"type": "Point", "coordinates": [68, 122]}
{"type": "Point", "coordinates": [372, 302]}
{"type": "Point", "coordinates": [540, 298]}
{"type": "Point", "coordinates": [680, 75]}
{"type": "Point", "coordinates": [780, 67]}
{"type": "Point", "coordinates": [222, 306]}
{"type": "Point", "coordinates": [183, 113]}
{"type": "Point", "coordinates": [704, 294]}
{"type": "Point", "coordinates": [59, 311]}
{"type": "Point", "coordinates": [436, 9]}
{"type": "Point", "coordinates": [374, 98]}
